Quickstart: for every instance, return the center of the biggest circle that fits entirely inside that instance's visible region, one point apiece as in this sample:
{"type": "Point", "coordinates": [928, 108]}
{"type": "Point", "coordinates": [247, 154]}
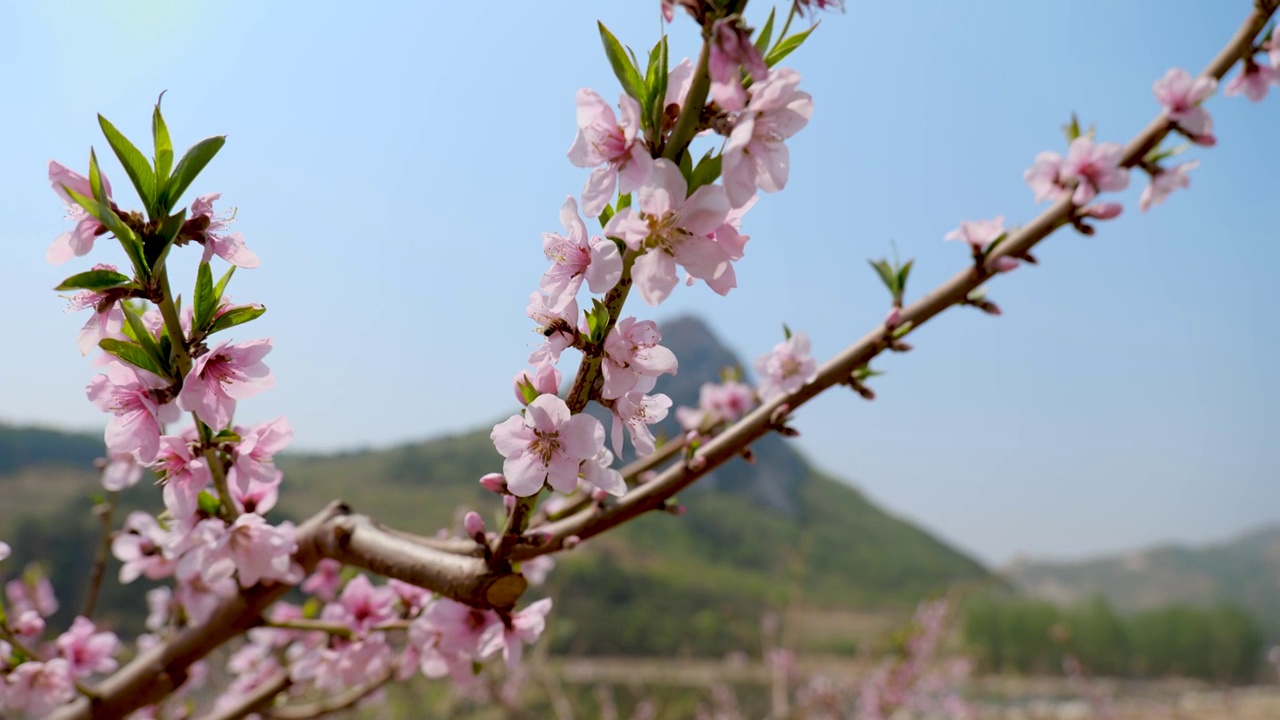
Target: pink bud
{"type": "Point", "coordinates": [697, 463]}
{"type": "Point", "coordinates": [1206, 140]}
{"type": "Point", "coordinates": [780, 413]}
{"type": "Point", "coordinates": [29, 624]}
{"type": "Point", "coordinates": [494, 482]}
{"type": "Point", "coordinates": [1004, 263]}
{"type": "Point", "coordinates": [599, 495]}
{"type": "Point", "coordinates": [676, 509]}
{"type": "Point", "coordinates": [646, 476]}
{"type": "Point", "coordinates": [473, 524]}
{"type": "Point", "coordinates": [538, 538]}
{"type": "Point", "coordinates": [894, 318]}
{"type": "Point", "coordinates": [991, 308]}
{"type": "Point", "coordinates": [508, 502]}
{"type": "Point", "coordinates": [571, 542]}
{"type": "Point", "coordinates": [692, 437]}
{"type": "Point", "coordinates": [1104, 211]}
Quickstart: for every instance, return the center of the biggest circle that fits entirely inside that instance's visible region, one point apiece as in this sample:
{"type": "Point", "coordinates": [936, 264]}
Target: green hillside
{"type": "Point", "coordinates": [775, 534]}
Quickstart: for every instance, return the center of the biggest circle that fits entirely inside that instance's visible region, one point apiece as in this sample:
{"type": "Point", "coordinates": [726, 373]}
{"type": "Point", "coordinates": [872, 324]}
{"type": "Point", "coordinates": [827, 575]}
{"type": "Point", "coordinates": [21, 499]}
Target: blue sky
{"type": "Point", "coordinates": [394, 166]}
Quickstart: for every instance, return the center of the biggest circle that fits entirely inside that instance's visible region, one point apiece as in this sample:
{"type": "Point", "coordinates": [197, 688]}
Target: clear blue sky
{"type": "Point", "coordinates": [395, 163]}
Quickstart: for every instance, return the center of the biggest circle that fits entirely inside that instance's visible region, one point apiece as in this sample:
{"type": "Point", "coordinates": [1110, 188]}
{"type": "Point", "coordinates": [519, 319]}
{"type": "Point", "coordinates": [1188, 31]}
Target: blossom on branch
{"type": "Point", "coordinates": [731, 49]}
{"type": "Point", "coordinates": [633, 359]}
{"type": "Point", "coordinates": [978, 233]}
{"type": "Point", "coordinates": [576, 258]}
{"type": "Point", "coordinates": [545, 444]}
{"type": "Point", "coordinates": [1181, 95]}
{"type": "Point", "coordinates": [785, 368]}
{"type": "Point", "coordinates": [222, 376]}
{"type": "Point", "coordinates": [756, 155]}
{"type": "Point", "coordinates": [673, 228]}
{"type": "Point", "coordinates": [128, 394]}
{"type": "Point", "coordinates": [638, 411]}
{"type": "Point", "coordinates": [1095, 167]}
{"type": "Point", "coordinates": [86, 650]}
{"type": "Point", "coordinates": [1164, 182]}
{"type": "Point", "coordinates": [107, 320]}
{"type": "Point", "coordinates": [79, 241]}
{"type": "Point", "coordinates": [612, 147]}
{"type": "Point", "coordinates": [229, 247]}
{"type": "Point", "coordinates": [557, 324]}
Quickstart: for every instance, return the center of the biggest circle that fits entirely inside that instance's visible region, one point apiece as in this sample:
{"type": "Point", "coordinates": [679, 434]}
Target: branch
{"type": "Point", "coordinates": [255, 702]}
{"type": "Point", "coordinates": [104, 511]}
{"type": "Point", "coordinates": [343, 700]}
{"type": "Point", "coordinates": [837, 371]}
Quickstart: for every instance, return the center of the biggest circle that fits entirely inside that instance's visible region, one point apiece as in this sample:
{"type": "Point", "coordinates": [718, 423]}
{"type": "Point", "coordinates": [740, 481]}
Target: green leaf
{"type": "Point", "coordinates": [706, 171]}
{"type": "Point", "coordinates": [157, 244]}
{"type": "Point", "coordinates": [786, 331]}
{"type": "Point", "coordinates": [135, 328]}
{"type": "Point", "coordinates": [624, 201]}
{"type": "Point", "coordinates": [623, 66]}
{"type": "Point", "coordinates": [134, 162]}
{"type": "Point", "coordinates": [606, 215]}
{"type": "Point", "coordinates": [902, 329]}
{"type": "Point", "coordinates": [885, 271]}
{"type": "Point", "coordinates": [1072, 129]}
{"type": "Point", "coordinates": [766, 33]}
{"type": "Point", "coordinates": [205, 300]}
{"type": "Point", "coordinates": [164, 148]}
{"type": "Point", "coordinates": [788, 45]}
{"type": "Point", "coordinates": [226, 435]}
{"type": "Point", "coordinates": [189, 167]}
{"type": "Point", "coordinates": [103, 214]}
{"type": "Point", "coordinates": [95, 280]}
{"type": "Point", "coordinates": [686, 168]}
{"type": "Point", "coordinates": [903, 272]}
{"type": "Point", "coordinates": [131, 353]}
{"type": "Point", "coordinates": [95, 179]}
{"type": "Point", "coordinates": [656, 82]}
{"type": "Point", "coordinates": [222, 283]}
{"type": "Point", "coordinates": [597, 320]}
{"type": "Point", "coordinates": [236, 316]}
{"type": "Point", "coordinates": [208, 503]}
{"type": "Point", "coordinates": [527, 390]}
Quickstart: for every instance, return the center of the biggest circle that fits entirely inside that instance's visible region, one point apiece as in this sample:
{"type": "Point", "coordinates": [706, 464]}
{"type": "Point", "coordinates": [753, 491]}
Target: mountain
{"type": "Point", "coordinates": [773, 535]}
{"type": "Point", "coordinates": [1244, 571]}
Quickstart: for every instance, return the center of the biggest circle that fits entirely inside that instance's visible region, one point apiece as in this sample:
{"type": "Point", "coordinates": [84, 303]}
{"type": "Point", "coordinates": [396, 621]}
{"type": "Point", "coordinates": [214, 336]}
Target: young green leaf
{"type": "Point", "coordinates": [686, 166]}
{"type": "Point", "coordinates": [105, 215]}
{"type": "Point", "coordinates": [134, 162]}
{"type": "Point", "coordinates": [205, 300]}
{"type": "Point", "coordinates": [95, 280]}
{"type": "Point", "coordinates": [788, 45]}
{"type": "Point", "coordinates": [705, 172]}
{"type": "Point", "coordinates": [236, 316]}
{"type": "Point", "coordinates": [189, 167]}
{"type": "Point", "coordinates": [164, 149]}
{"type": "Point", "coordinates": [624, 201]}
{"type": "Point", "coordinates": [222, 284]}
{"type": "Point", "coordinates": [623, 66]}
{"type": "Point", "coordinates": [786, 331]}
{"type": "Point", "coordinates": [606, 215]}
{"type": "Point", "coordinates": [766, 33]}
{"type": "Point", "coordinates": [885, 271]}
{"type": "Point", "coordinates": [656, 82]}
{"type": "Point", "coordinates": [95, 179]}
{"type": "Point", "coordinates": [207, 503]}
{"type": "Point", "coordinates": [131, 353]}
{"type": "Point", "coordinates": [527, 390]}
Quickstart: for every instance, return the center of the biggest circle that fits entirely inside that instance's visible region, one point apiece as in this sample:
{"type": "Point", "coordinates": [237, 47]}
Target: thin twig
{"type": "Point", "coordinates": [104, 511]}
{"type": "Point", "coordinates": [343, 700]}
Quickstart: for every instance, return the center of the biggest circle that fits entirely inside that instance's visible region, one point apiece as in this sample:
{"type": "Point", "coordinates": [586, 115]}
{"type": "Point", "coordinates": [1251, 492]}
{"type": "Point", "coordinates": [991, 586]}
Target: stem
{"type": "Point", "coordinates": [255, 702]}
{"type": "Point", "coordinates": [691, 114]}
{"type": "Point", "coordinates": [172, 323]}
{"type": "Point", "coordinates": [343, 700]}
{"type": "Point", "coordinates": [213, 459]}
{"type": "Point", "coordinates": [103, 511]}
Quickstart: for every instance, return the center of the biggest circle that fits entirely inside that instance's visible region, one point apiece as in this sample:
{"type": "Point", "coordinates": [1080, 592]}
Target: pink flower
{"type": "Point", "coordinates": [38, 688]}
{"type": "Point", "coordinates": [638, 411]}
{"type": "Point", "coordinates": [576, 258]}
{"type": "Point", "coordinates": [536, 569]}
{"type": "Point", "coordinates": [325, 581]}
{"type": "Point", "coordinates": [1181, 96]}
{"type": "Point", "coordinates": [1045, 176]}
{"type": "Point", "coordinates": [720, 402]}
{"type": "Point", "coordinates": [127, 393]}
{"type": "Point", "coordinates": [1095, 167]}
{"type": "Point", "coordinates": [545, 380]}
{"type": "Point", "coordinates": [446, 638]}
{"type": "Point", "coordinates": [251, 548]}
{"type": "Point", "coordinates": [598, 470]}
{"type": "Point", "coordinates": [525, 629]}
{"type": "Point", "coordinates": [785, 368]}
{"type": "Point", "coordinates": [29, 625]}
{"type": "Point", "coordinates": [556, 324]}
{"type": "Point", "coordinates": [121, 471]}
{"type": "Point", "coordinates": [184, 474]}
{"type": "Point", "coordinates": [222, 376]}
{"type": "Point", "coordinates": [619, 157]}
{"type": "Point", "coordinates": [1253, 80]}
{"type": "Point", "coordinates": [755, 155]}
{"type": "Point", "coordinates": [228, 247]}
{"type": "Point", "coordinates": [978, 233]}
{"type": "Point", "coordinates": [80, 240]}
{"type": "Point", "coordinates": [731, 47]}
{"type": "Point", "coordinates": [546, 444]}
{"type": "Point", "coordinates": [255, 453]}
{"type": "Point", "coordinates": [107, 320]}
{"type": "Point", "coordinates": [139, 547]}
{"type": "Point", "coordinates": [632, 352]}
{"type": "Point", "coordinates": [678, 82]}
{"type": "Point", "coordinates": [1165, 182]}
{"type": "Point", "coordinates": [86, 650]}
{"type": "Point", "coordinates": [362, 606]}
{"type": "Point", "coordinates": [672, 228]}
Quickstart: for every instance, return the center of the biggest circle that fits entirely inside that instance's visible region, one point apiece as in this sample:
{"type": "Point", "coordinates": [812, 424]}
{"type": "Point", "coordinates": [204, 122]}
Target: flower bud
{"type": "Point", "coordinates": [599, 495]}
{"type": "Point", "coordinates": [894, 318]}
{"type": "Point", "coordinates": [29, 624]}
{"type": "Point", "coordinates": [571, 542]}
{"type": "Point", "coordinates": [473, 525]}
{"type": "Point", "coordinates": [538, 538]}
{"type": "Point", "coordinates": [494, 482]}
{"type": "Point", "coordinates": [1004, 263]}
{"type": "Point", "coordinates": [1104, 211]}
{"type": "Point", "coordinates": [697, 463]}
